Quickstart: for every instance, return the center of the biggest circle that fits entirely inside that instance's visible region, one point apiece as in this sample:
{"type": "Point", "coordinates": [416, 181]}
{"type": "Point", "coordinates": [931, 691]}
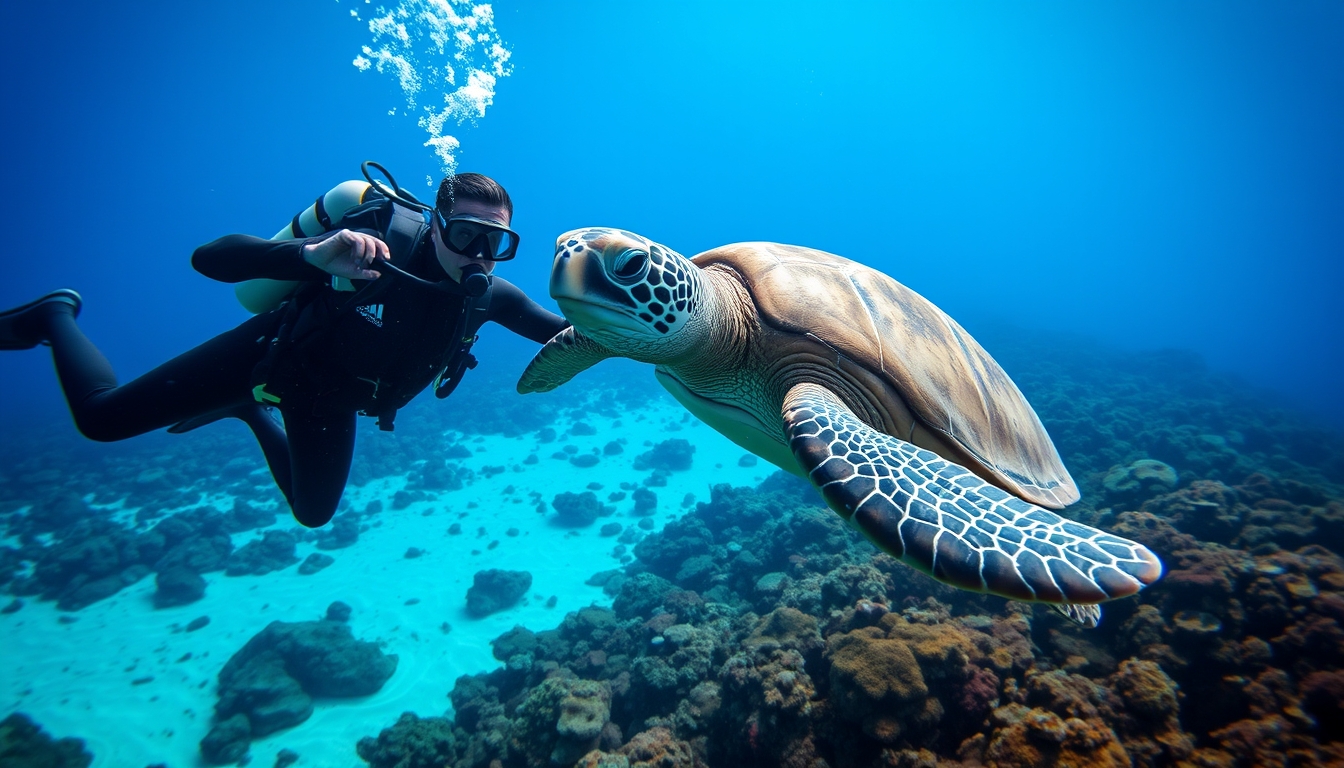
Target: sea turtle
{"type": "Point", "coordinates": [838, 373]}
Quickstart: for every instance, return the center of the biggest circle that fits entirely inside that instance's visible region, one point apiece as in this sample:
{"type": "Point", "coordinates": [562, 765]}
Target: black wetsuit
{"type": "Point", "coordinates": [310, 457]}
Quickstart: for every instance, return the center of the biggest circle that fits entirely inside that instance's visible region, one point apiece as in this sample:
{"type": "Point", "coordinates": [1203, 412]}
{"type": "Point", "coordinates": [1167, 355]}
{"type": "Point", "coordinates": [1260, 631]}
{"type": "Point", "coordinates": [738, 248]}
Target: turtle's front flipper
{"type": "Point", "coordinates": [945, 521]}
{"type": "Point", "coordinates": [561, 359]}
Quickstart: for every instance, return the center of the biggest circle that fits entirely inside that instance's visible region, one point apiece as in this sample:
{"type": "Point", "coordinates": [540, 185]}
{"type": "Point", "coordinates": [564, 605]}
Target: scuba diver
{"type": "Point", "coordinates": [364, 300]}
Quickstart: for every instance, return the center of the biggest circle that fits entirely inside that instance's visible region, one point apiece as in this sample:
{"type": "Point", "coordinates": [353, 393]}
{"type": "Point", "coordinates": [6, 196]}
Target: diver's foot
{"type": "Point", "coordinates": [25, 327]}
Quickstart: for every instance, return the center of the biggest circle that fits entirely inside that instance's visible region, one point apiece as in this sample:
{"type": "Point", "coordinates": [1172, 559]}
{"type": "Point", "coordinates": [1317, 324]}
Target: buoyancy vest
{"type": "Point", "coordinates": [374, 349]}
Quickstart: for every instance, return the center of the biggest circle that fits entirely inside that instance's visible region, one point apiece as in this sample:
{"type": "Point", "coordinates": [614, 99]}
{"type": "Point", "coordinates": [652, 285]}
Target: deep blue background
{"type": "Point", "coordinates": [1147, 174]}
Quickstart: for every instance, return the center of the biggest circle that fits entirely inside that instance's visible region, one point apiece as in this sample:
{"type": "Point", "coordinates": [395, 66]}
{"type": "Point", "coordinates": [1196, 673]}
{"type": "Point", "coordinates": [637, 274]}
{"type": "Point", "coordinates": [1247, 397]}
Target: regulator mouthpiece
{"type": "Point", "coordinates": [474, 280]}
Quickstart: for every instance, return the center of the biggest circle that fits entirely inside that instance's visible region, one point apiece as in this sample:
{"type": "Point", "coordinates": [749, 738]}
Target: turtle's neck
{"type": "Point", "coordinates": [722, 328]}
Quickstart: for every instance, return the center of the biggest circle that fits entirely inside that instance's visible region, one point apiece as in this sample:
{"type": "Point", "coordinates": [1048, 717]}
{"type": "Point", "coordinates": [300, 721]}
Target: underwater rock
{"type": "Point", "coordinates": [438, 475]}
{"type": "Point", "coordinates": [646, 502]}
{"type": "Point", "coordinates": [246, 517]}
{"type": "Point", "coordinates": [92, 560]}
{"type": "Point", "coordinates": [83, 593]}
{"type": "Point", "coordinates": [314, 563]}
{"type": "Point", "coordinates": [203, 553]}
{"type": "Point", "coordinates": [455, 451]}
{"type": "Point", "coordinates": [584, 460]}
{"type": "Point", "coordinates": [343, 532]}
{"type": "Point", "coordinates": [227, 742]}
{"type": "Point", "coordinates": [519, 640]}
{"type": "Point", "coordinates": [274, 551]}
{"type": "Point", "coordinates": [1139, 480]}
{"type": "Point", "coordinates": [412, 742]}
{"type": "Point", "coordinates": [576, 510]}
{"type": "Point", "coordinates": [270, 682]}
{"type": "Point", "coordinates": [582, 429]}
{"type": "Point", "coordinates": [669, 456]}
{"type": "Point", "coordinates": [178, 585]}
{"type": "Point", "coordinates": [495, 590]}
{"type": "Point", "coordinates": [338, 611]}
{"type": "Point", "coordinates": [61, 510]}
{"type": "Point", "coordinates": [23, 744]}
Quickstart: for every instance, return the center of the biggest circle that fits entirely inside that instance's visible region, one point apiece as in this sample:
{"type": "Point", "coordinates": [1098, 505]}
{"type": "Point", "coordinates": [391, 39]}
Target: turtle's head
{"type": "Point", "coordinates": [630, 294]}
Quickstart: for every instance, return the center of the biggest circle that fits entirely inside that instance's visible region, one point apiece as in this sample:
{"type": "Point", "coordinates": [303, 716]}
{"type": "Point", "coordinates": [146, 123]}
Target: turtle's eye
{"type": "Point", "coordinates": [630, 266]}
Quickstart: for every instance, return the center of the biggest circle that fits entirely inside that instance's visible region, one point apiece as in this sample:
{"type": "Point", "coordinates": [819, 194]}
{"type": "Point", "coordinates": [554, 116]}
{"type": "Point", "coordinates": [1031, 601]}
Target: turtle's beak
{"type": "Point", "coordinates": [588, 298]}
{"type": "Point", "coordinates": [567, 273]}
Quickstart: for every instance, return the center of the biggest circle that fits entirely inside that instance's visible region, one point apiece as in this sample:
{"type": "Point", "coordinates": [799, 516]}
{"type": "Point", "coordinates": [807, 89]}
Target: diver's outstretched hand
{"type": "Point", "coordinates": [347, 254]}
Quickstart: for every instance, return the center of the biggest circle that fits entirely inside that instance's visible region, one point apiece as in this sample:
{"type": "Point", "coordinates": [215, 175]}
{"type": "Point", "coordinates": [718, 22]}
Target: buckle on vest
{"type": "Point", "coordinates": [260, 394]}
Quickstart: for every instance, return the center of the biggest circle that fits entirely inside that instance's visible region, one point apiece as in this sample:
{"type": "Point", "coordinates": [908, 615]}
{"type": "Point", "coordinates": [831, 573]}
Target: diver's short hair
{"type": "Point", "coordinates": [472, 186]}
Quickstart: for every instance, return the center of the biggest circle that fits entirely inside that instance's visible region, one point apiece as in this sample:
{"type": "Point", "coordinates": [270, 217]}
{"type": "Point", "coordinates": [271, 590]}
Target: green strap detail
{"type": "Point", "coordinates": [260, 394]}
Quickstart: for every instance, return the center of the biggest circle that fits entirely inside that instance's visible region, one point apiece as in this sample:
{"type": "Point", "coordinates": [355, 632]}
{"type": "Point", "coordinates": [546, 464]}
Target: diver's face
{"type": "Point", "coordinates": [453, 262]}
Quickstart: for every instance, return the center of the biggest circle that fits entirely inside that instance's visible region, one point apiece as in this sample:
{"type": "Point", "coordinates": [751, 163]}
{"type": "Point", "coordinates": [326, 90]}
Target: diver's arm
{"type": "Point", "coordinates": [511, 308]}
{"type": "Point", "coordinates": [342, 252]}
{"type": "Point", "coordinates": [235, 258]}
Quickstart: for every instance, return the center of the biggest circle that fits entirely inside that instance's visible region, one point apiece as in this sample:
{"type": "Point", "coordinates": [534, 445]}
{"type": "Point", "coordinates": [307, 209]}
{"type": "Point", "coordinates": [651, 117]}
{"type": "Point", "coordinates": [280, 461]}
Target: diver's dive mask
{"type": "Point", "coordinates": [477, 238]}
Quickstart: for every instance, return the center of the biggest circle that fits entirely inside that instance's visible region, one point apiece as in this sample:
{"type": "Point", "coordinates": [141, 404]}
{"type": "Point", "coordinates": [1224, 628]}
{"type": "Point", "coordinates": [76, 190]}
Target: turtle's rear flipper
{"type": "Point", "coordinates": [565, 356]}
{"type": "Point", "coordinates": [1087, 615]}
{"type": "Point", "coordinates": [947, 522]}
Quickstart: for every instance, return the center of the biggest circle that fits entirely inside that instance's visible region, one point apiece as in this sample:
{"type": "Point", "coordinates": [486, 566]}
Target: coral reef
{"type": "Point", "coordinates": [413, 742]}
{"type": "Point", "coordinates": [757, 631]}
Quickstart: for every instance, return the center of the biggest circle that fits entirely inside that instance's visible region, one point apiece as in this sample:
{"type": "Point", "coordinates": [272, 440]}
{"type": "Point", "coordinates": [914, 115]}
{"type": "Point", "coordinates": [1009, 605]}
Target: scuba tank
{"type": "Point", "coordinates": [322, 216]}
{"type": "Point", "coordinates": [263, 295]}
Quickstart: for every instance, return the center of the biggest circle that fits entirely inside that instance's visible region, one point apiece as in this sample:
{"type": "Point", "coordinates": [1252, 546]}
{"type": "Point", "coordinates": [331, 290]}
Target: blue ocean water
{"type": "Point", "coordinates": [1136, 208]}
{"type": "Point", "coordinates": [1149, 176]}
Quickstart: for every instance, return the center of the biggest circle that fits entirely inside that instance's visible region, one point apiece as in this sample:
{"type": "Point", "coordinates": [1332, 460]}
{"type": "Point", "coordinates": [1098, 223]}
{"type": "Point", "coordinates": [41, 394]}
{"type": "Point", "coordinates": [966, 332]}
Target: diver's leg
{"type": "Point", "coordinates": [214, 375]}
{"type": "Point", "coordinates": [274, 445]}
{"type": "Point", "coordinates": [25, 326]}
{"type": "Point", "coordinates": [320, 447]}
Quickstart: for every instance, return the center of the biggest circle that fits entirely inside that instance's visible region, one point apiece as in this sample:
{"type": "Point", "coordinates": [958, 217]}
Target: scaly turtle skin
{"type": "Point", "coordinates": [837, 373]}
